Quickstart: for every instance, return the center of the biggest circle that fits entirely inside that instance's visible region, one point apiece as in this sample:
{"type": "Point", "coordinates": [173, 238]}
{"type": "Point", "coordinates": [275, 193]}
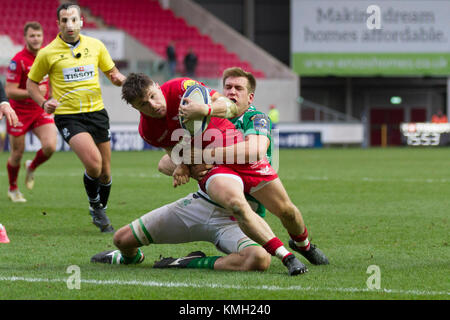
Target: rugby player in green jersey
{"type": "Point", "coordinates": [239, 86]}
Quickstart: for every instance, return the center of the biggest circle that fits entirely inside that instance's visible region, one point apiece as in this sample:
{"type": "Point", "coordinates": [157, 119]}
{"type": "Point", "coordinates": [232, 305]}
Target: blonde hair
{"type": "Point", "coordinates": [238, 72]}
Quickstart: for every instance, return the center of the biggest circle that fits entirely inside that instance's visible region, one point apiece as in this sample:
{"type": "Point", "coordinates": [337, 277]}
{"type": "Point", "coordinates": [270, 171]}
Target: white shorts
{"type": "Point", "coordinates": [189, 219]}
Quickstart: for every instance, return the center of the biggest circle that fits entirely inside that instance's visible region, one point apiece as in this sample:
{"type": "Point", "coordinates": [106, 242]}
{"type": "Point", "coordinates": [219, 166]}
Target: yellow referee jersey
{"type": "Point", "coordinates": [73, 73]}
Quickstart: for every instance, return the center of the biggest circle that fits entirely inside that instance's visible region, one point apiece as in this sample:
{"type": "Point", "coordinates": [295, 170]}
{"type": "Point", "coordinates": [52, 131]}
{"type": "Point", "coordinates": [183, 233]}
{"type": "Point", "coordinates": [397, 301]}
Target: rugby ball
{"type": "Point", "coordinates": [198, 94]}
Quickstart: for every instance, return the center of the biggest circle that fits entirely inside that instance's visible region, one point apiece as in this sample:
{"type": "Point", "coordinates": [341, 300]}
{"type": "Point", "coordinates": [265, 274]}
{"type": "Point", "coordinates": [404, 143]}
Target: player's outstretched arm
{"type": "Point", "coordinates": [115, 77]}
{"type": "Point", "coordinates": [252, 149]}
{"type": "Point", "coordinates": [220, 107]}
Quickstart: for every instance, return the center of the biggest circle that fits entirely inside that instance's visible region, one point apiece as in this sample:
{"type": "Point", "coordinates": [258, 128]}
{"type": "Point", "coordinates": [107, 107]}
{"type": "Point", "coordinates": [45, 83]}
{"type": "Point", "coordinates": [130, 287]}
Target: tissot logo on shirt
{"type": "Point", "coordinates": [80, 73]}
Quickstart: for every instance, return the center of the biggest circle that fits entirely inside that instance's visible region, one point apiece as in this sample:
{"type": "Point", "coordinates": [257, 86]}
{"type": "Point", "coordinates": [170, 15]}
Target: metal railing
{"type": "Point", "coordinates": [311, 111]}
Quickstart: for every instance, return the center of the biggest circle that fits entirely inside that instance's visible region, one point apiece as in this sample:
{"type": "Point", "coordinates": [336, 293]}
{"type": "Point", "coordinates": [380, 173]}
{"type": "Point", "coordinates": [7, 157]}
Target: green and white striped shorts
{"type": "Point", "coordinates": [192, 218]}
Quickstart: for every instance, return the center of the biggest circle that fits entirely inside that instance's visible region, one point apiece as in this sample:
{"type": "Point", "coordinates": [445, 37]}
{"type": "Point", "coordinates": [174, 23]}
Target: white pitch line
{"type": "Point", "coordinates": [227, 286]}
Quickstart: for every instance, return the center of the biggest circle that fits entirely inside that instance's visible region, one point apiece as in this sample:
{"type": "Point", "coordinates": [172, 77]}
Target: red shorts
{"type": "Point", "coordinates": [28, 121]}
{"type": "Point", "coordinates": [253, 176]}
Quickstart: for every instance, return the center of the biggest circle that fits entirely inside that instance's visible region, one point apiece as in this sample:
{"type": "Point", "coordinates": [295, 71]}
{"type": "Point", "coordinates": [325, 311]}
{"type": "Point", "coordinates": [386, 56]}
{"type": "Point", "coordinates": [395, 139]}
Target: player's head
{"type": "Point", "coordinates": [144, 95]}
{"type": "Point", "coordinates": [69, 21]}
{"type": "Point", "coordinates": [34, 36]}
{"type": "Point", "coordinates": [239, 86]}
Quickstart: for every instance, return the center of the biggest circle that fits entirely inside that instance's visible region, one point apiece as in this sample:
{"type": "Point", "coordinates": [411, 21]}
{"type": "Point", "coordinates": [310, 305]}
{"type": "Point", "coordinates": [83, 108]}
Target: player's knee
{"type": "Point", "coordinates": [257, 259]}
{"type": "Point", "coordinates": [122, 238]}
{"type": "Point", "coordinates": [93, 166]}
{"type": "Point", "coordinates": [287, 210]}
{"type": "Point", "coordinates": [48, 150]}
{"type": "Point", "coordinates": [105, 178]}
{"type": "Point", "coordinates": [93, 171]}
{"type": "Point", "coordinates": [16, 157]}
{"type": "Point", "coordinates": [237, 206]}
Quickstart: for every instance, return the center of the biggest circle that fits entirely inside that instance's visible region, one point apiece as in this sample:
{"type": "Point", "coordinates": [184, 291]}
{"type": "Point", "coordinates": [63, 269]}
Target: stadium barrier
{"type": "Point", "coordinates": [127, 138]}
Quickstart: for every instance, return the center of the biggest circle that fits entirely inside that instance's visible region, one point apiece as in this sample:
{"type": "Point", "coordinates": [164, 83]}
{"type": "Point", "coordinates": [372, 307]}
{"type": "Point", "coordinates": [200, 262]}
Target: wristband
{"type": "Point", "coordinates": [209, 110]}
{"type": "Point", "coordinates": [42, 105]}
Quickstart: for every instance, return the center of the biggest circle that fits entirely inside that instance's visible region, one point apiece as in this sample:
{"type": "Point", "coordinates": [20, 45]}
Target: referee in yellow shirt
{"type": "Point", "coordinates": [72, 61]}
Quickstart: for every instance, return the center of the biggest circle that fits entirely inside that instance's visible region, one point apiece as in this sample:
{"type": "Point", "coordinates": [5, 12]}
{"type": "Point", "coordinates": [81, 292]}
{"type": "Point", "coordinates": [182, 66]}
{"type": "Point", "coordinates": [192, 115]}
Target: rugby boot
{"type": "Point", "coordinates": [294, 266]}
{"type": "Point", "coordinates": [115, 257]}
{"type": "Point", "coordinates": [16, 196]}
{"type": "Point", "coordinates": [101, 220]}
{"type": "Point", "coordinates": [313, 255]}
{"type": "Point", "coordinates": [178, 262]}
{"type": "Point", "coordinates": [29, 177]}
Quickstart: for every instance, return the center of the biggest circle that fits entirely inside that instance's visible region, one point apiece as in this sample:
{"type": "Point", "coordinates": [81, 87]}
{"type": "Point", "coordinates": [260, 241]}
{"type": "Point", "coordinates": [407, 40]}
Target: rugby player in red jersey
{"type": "Point", "coordinates": [31, 116]}
{"type": "Point", "coordinates": [159, 108]}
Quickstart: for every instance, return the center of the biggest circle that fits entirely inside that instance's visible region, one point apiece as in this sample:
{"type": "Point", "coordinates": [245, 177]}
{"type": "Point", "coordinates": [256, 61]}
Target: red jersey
{"type": "Point", "coordinates": [158, 132]}
{"type": "Point", "coordinates": [18, 70]}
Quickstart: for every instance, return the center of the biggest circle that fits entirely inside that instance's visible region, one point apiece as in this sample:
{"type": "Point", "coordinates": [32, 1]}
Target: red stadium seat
{"type": "Point", "coordinates": [155, 27]}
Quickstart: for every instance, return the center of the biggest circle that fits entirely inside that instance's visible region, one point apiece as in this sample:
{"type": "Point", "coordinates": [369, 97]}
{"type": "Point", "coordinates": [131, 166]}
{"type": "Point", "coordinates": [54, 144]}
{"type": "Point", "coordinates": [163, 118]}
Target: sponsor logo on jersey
{"type": "Point", "coordinates": [187, 83]}
{"type": "Point", "coordinates": [12, 66]}
{"type": "Point", "coordinates": [260, 122]}
{"type": "Point", "coordinates": [80, 73]}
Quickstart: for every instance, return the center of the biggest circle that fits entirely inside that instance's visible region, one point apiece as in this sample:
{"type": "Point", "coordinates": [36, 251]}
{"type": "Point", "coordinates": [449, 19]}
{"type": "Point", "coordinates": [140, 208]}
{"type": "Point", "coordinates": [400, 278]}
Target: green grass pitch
{"type": "Point", "coordinates": [387, 208]}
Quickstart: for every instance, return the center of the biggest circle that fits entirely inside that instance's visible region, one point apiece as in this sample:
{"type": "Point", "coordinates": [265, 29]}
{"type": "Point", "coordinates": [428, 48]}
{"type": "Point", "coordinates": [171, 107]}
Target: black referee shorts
{"type": "Point", "coordinates": [95, 123]}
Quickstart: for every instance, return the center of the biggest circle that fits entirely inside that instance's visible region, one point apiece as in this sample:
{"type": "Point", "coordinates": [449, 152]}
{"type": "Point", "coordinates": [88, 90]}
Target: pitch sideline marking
{"type": "Point", "coordinates": [225, 286]}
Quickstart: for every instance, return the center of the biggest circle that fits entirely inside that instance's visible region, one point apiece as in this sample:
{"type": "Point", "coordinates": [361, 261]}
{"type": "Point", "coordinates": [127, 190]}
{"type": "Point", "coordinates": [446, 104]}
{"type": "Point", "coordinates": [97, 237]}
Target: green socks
{"type": "Point", "coordinates": [138, 258]}
{"type": "Point", "coordinates": [203, 263]}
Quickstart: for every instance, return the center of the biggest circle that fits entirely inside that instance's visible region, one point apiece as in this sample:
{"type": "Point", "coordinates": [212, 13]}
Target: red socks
{"type": "Point", "coordinates": [38, 159]}
{"type": "Point", "coordinates": [301, 240]}
{"type": "Point", "coordinates": [13, 172]}
{"type": "Point", "coordinates": [276, 248]}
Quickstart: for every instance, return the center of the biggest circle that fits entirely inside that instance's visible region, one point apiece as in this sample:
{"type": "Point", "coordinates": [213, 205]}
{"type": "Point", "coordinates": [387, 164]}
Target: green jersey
{"type": "Point", "coordinates": [255, 122]}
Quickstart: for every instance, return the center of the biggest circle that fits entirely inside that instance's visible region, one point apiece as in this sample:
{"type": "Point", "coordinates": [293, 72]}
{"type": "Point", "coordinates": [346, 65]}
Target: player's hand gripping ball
{"type": "Point", "coordinates": [197, 94]}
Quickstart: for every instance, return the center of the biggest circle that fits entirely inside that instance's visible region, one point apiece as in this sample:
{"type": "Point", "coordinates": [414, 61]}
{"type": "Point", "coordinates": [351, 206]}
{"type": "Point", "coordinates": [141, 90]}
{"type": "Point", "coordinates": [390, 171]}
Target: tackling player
{"type": "Point", "coordinates": [159, 107]}
{"type": "Point", "coordinates": [72, 61]}
{"type": "Point", "coordinates": [239, 86]}
{"type": "Point", "coordinates": [31, 116]}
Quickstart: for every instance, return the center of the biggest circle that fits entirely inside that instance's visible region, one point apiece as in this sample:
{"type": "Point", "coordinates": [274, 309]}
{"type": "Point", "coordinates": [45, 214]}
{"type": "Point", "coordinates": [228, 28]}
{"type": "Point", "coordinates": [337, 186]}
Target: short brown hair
{"type": "Point", "coordinates": [33, 25]}
{"type": "Point", "coordinates": [135, 86]}
{"type": "Point", "coordinates": [238, 72]}
{"type": "Point", "coordinates": [67, 6]}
